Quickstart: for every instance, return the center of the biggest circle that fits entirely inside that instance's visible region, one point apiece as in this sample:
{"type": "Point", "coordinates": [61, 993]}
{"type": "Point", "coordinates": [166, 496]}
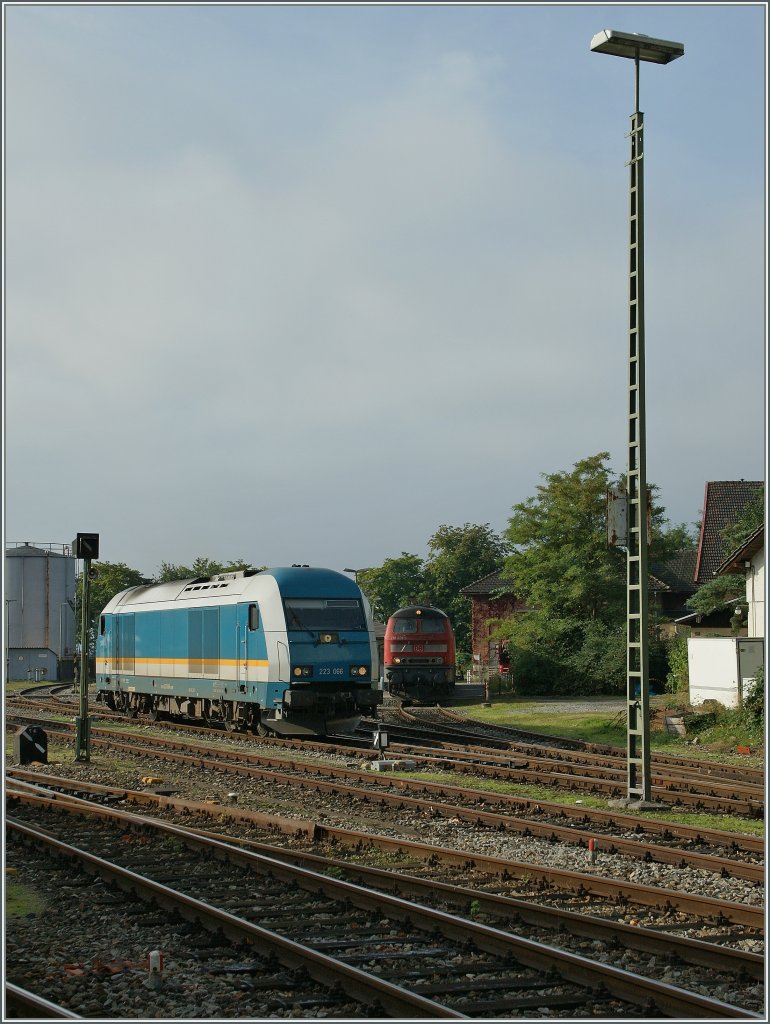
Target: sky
{"type": "Point", "coordinates": [301, 284]}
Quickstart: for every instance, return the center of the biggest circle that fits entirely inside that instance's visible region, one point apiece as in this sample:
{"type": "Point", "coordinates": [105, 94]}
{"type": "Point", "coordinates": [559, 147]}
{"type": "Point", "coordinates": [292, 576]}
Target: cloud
{"type": "Point", "coordinates": [266, 301]}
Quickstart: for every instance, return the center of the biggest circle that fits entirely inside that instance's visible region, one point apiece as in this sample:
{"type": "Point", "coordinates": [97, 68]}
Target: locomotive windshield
{"type": "Point", "coordinates": [405, 625]}
{"type": "Point", "coordinates": [432, 624]}
{"type": "Point", "coordinates": [323, 613]}
{"type": "Point", "coordinates": [428, 624]}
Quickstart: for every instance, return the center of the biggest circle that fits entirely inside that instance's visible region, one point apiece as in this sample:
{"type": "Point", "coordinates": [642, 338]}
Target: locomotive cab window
{"type": "Point", "coordinates": [405, 626]}
{"type": "Point", "coordinates": [253, 617]}
{"type": "Point", "coordinates": [324, 613]}
{"type": "Point", "coordinates": [432, 624]}
{"type": "Point", "coordinates": [101, 625]}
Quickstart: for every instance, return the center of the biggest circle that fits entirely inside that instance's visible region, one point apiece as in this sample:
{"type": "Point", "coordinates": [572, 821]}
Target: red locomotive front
{"type": "Point", "coordinates": [420, 654]}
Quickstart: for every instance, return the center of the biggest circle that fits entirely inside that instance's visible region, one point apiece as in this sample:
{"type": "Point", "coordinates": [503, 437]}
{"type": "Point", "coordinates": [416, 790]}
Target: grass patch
{"type": "Point", "coordinates": [723, 823]}
{"type": "Point", "coordinates": [494, 786]}
{"type": "Point", "coordinates": [589, 726]}
{"type": "Point", "coordinates": [717, 734]}
{"type": "Point", "coordinates": [21, 901]}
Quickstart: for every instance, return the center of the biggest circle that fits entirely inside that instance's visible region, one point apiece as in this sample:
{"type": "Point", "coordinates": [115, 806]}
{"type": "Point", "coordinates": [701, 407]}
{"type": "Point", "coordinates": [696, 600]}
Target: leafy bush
{"type": "Point", "coordinates": [754, 701]}
{"type": "Point", "coordinates": [678, 677]}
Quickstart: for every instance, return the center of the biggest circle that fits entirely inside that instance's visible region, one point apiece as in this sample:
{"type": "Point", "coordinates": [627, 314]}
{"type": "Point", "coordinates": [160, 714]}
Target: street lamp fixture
{"type": "Point", "coordinates": [638, 48]}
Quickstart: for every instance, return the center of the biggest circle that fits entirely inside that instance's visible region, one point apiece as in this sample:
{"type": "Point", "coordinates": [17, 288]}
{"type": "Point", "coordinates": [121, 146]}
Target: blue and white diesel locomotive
{"type": "Point", "coordinates": [289, 651]}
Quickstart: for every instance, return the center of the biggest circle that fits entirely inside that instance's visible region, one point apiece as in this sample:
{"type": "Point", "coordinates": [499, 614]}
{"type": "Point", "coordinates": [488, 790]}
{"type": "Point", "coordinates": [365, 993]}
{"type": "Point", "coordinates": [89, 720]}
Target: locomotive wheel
{"type": "Point", "coordinates": [226, 712]}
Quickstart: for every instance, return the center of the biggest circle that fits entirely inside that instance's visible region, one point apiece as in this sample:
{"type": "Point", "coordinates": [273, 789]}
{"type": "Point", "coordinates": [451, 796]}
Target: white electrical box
{"type": "Point", "coordinates": [722, 668]}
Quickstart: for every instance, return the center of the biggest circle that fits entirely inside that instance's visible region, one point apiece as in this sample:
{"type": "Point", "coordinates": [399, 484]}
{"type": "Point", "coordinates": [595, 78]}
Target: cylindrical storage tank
{"type": "Point", "coordinates": [39, 609]}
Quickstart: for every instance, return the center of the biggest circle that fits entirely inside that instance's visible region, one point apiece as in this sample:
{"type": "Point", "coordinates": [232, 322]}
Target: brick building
{"type": "Point", "coordinates": [491, 597]}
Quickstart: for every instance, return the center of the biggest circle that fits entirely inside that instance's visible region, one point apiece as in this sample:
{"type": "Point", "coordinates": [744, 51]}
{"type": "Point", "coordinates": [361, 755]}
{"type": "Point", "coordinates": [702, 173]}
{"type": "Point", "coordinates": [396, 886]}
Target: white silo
{"type": "Point", "coordinates": [39, 611]}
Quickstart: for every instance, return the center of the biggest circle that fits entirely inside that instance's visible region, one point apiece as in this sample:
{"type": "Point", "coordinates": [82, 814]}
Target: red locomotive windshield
{"type": "Point", "coordinates": [427, 624]}
{"type": "Point", "coordinates": [432, 624]}
{"type": "Point", "coordinates": [405, 626]}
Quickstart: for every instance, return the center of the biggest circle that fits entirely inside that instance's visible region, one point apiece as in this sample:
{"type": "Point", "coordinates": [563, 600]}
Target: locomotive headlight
{"type": "Point", "coordinates": [396, 661]}
{"type": "Point", "coordinates": [302, 671]}
{"type": "Point", "coordinates": [359, 670]}
{"type": "Point", "coordinates": [362, 670]}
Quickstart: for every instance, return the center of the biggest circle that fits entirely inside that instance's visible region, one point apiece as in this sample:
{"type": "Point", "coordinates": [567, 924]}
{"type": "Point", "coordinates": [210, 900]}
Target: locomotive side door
{"type": "Point", "coordinates": [242, 642]}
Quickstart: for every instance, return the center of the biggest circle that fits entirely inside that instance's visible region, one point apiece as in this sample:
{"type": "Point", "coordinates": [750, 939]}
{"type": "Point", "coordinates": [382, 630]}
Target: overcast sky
{"type": "Point", "coordinates": [302, 284]}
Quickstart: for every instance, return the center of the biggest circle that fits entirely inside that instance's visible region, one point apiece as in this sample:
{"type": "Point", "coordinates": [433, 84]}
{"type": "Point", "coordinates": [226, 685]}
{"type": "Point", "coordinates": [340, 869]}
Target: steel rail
{"type": "Point", "coordinates": [703, 907]}
{"type": "Point", "coordinates": [702, 801]}
{"type": "Point", "coordinates": [713, 786]}
{"type": "Point", "coordinates": [628, 847]}
{"type": "Point", "coordinates": [356, 983]}
{"type": "Point", "coordinates": [689, 790]}
{"type": "Point", "coordinates": [649, 940]}
{"type": "Point", "coordinates": [560, 747]}
{"type": "Point", "coordinates": [694, 834]}
{"type": "Point", "coordinates": [29, 1005]}
{"type": "Point", "coordinates": [674, 1001]}
{"type": "Point", "coordinates": [564, 747]}
{"type": "Point", "coordinates": [687, 786]}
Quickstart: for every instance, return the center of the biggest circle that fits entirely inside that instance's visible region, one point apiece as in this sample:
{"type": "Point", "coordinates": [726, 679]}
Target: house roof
{"type": "Point", "coordinates": [492, 583]}
{"type": "Point", "coordinates": [677, 575]}
{"type": "Point", "coordinates": [723, 502]}
{"type": "Point", "coordinates": [734, 561]}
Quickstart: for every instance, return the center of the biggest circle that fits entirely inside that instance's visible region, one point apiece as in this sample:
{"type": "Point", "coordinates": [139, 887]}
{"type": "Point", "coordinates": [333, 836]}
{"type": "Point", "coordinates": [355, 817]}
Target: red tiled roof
{"type": "Point", "coordinates": [489, 584]}
{"type": "Point", "coordinates": [734, 561]}
{"type": "Point", "coordinates": [723, 502]}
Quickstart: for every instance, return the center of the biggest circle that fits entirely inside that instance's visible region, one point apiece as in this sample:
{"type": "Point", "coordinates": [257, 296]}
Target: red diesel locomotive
{"type": "Point", "coordinates": [419, 657]}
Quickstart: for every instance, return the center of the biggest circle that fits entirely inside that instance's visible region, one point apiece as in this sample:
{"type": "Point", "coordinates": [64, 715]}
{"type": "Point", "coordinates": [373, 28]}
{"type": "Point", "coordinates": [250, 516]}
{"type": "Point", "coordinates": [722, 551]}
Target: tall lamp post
{"type": "Point", "coordinates": [657, 51]}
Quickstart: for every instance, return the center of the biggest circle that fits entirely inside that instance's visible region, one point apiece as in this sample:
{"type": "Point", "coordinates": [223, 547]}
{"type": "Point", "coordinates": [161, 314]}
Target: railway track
{"type": "Point", "coordinates": [702, 786]}
{"type": "Point", "coordinates": [698, 786]}
{"type": "Point", "coordinates": [738, 857]}
{"type": "Point", "coordinates": [719, 920]}
{"type": "Point", "coordinates": [383, 951]}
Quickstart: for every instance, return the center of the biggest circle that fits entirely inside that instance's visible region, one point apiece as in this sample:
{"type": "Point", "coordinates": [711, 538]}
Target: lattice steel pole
{"type": "Point", "coordinates": [658, 51]}
{"type": "Point", "coordinates": [637, 591]}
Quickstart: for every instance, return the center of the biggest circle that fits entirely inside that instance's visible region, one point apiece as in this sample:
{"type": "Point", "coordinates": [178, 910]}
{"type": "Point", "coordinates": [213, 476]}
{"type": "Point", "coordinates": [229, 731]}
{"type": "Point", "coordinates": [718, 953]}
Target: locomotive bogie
{"type": "Point", "coordinates": [289, 651]}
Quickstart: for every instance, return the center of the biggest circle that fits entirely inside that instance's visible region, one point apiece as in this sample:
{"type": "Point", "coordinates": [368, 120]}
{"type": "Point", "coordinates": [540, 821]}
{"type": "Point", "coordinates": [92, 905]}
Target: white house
{"type": "Point", "coordinates": [750, 559]}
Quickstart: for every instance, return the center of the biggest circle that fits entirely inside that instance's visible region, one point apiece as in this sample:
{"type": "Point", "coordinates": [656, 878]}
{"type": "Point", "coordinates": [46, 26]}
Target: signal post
{"type": "Point", "coordinates": [85, 547]}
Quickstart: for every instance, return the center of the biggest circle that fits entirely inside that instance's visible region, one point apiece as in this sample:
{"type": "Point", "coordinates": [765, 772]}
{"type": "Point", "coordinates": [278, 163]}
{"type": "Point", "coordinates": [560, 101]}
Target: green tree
{"type": "Point", "coordinates": [751, 517]}
{"type": "Point", "coordinates": [572, 638]}
{"type": "Point", "coordinates": [397, 582]}
{"type": "Point", "coordinates": [202, 566]}
{"type": "Point", "coordinates": [111, 578]}
{"type": "Point", "coordinates": [458, 555]}
{"type": "Point", "coordinates": [561, 563]}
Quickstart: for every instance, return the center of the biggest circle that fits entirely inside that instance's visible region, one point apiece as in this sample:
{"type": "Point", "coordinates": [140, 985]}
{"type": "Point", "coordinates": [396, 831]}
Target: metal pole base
{"type": "Point", "coordinates": [82, 738]}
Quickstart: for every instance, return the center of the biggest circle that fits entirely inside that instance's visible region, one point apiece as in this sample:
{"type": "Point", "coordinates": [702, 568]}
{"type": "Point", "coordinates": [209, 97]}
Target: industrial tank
{"type": "Point", "coordinates": [39, 611]}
